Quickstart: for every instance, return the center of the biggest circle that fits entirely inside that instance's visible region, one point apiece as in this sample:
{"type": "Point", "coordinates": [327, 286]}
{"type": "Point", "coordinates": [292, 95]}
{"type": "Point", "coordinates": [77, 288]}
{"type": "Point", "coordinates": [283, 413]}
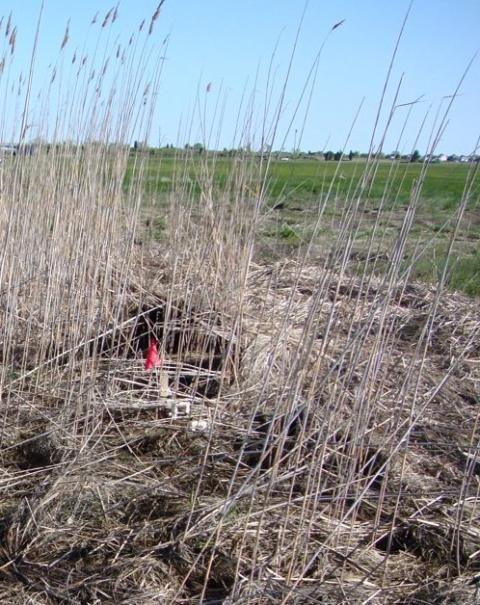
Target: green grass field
{"type": "Point", "coordinates": [306, 178]}
{"type": "Point", "coordinates": [296, 190]}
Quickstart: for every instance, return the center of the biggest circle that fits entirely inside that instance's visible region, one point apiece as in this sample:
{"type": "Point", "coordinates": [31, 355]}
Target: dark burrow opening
{"type": "Point", "coordinates": [431, 543]}
{"type": "Point", "coordinates": [195, 341]}
{"type": "Point", "coordinates": [273, 437]}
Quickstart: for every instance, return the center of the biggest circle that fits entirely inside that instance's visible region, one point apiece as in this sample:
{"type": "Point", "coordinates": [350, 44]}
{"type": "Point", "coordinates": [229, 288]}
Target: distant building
{"type": "Point", "coordinates": [8, 150]}
{"type": "Point", "coordinates": [24, 149]}
{"type": "Point", "coordinates": [441, 158]}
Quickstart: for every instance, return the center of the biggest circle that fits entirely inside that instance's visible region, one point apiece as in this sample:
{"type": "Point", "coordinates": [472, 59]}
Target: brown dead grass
{"type": "Point", "coordinates": [333, 468]}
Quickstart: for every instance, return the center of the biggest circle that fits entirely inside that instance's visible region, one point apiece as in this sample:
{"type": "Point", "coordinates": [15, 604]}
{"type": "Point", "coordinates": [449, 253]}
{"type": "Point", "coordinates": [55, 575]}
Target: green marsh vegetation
{"type": "Point", "coordinates": [295, 189]}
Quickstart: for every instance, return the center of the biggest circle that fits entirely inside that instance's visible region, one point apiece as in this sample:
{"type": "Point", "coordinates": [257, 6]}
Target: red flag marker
{"type": "Point", "coordinates": [153, 358]}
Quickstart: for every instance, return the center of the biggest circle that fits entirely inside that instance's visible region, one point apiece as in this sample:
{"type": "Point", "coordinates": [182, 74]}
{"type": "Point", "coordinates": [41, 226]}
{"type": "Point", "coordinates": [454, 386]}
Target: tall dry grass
{"type": "Point", "coordinates": [319, 438]}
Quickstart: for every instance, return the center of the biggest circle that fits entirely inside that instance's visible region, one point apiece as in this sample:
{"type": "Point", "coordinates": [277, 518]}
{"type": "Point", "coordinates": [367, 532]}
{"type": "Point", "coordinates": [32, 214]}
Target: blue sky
{"type": "Point", "coordinates": [229, 44]}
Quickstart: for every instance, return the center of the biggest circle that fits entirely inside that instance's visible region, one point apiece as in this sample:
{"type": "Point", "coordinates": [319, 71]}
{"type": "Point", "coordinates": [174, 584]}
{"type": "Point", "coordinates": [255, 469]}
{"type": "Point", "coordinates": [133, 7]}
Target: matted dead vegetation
{"type": "Point", "coordinates": [332, 466]}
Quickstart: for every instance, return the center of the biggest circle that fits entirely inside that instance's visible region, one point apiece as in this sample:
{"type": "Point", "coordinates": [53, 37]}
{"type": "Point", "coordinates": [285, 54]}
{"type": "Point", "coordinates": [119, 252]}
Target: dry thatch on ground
{"type": "Point", "coordinates": [337, 461]}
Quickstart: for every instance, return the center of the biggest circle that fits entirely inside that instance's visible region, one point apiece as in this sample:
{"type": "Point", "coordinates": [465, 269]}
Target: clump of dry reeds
{"type": "Point", "coordinates": [318, 440]}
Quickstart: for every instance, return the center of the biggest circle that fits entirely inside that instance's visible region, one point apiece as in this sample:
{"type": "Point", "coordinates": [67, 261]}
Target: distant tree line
{"type": "Point", "coordinates": [198, 149]}
{"type": "Point", "coordinates": [327, 156]}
